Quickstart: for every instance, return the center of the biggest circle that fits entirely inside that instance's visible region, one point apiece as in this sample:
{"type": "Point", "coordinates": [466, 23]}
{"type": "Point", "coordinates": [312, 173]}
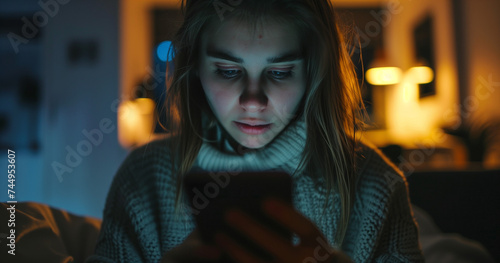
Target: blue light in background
{"type": "Point", "coordinates": [164, 52]}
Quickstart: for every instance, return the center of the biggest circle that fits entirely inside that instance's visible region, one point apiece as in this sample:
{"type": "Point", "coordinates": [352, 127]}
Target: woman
{"type": "Point", "coordinates": [262, 85]}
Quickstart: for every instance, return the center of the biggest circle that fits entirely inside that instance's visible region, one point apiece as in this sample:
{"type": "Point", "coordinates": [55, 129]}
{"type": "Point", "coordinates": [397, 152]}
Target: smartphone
{"type": "Point", "coordinates": [211, 194]}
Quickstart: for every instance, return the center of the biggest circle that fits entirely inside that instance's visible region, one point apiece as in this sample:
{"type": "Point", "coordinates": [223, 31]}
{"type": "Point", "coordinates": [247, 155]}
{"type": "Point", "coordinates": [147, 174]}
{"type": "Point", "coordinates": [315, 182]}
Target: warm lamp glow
{"type": "Point", "coordinates": [135, 122]}
{"type": "Point", "coordinates": [421, 74]}
{"type": "Point", "coordinates": [384, 75]}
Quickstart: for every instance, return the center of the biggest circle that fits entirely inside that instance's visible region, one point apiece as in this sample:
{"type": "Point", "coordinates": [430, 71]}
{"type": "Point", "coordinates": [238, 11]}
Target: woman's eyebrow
{"type": "Point", "coordinates": [221, 54]}
{"type": "Point", "coordinates": [286, 57]}
{"type": "Point", "coordinates": [216, 53]}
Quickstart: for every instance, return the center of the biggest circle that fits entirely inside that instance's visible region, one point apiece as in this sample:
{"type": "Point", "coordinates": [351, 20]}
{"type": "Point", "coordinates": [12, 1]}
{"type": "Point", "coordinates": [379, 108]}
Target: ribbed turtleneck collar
{"type": "Point", "coordinates": [283, 153]}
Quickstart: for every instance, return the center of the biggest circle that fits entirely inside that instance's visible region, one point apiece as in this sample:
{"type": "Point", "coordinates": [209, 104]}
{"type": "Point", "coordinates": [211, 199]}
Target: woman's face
{"type": "Point", "coordinates": [253, 77]}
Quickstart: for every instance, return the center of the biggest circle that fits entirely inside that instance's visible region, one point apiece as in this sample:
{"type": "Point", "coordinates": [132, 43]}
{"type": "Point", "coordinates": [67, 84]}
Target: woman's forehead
{"type": "Point", "coordinates": [240, 34]}
{"type": "Point", "coordinates": [252, 49]}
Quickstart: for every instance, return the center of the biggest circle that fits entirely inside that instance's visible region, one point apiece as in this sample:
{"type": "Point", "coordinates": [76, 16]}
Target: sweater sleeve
{"type": "Point", "coordinates": [389, 230]}
{"type": "Point", "coordinates": [398, 241]}
{"type": "Point", "coordinates": [130, 227]}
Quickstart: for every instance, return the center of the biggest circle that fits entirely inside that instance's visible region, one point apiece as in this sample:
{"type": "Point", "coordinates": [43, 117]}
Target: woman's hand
{"type": "Point", "coordinates": [313, 245]}
{"type": "Point", "coordinates": [192, 250]}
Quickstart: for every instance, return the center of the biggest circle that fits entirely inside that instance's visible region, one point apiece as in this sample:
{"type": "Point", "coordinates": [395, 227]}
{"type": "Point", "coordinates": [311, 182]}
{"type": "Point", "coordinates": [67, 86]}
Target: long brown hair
{"type": "Point", "coordinates": [332, 104]}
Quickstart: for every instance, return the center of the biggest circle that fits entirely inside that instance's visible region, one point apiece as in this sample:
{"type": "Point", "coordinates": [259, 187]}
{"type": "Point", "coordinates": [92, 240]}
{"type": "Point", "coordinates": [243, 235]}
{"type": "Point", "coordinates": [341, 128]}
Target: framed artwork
{"type": "Point", "coordinates": [424, 51]}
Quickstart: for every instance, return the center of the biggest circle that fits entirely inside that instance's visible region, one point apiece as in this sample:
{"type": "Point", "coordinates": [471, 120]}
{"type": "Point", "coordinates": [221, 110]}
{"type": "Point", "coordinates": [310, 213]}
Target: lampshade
{"type": "Point", "coordinates": [384, 75]}
{"type": "Point", "coordinates": [380, 72]}
{"type": "Point", "coordinates": [421, 74]}
{"type": "Point", "coordinates": [135, 122]}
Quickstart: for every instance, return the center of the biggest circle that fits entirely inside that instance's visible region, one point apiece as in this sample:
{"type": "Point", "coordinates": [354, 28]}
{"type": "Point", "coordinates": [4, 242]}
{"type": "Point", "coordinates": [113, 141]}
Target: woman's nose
{"type": "Point", "coordinates": [253, 98]}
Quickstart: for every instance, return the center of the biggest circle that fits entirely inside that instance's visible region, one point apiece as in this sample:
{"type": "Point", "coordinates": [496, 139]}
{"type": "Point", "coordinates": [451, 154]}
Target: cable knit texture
{"type": "Point", "coordinates": [139, 224]}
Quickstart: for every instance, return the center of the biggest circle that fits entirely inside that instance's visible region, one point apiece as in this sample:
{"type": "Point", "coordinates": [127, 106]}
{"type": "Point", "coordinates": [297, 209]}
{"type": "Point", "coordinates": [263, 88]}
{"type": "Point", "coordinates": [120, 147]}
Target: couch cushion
{"type": "Point", "coordinates": [46, 234]}
{"type": "Point", "coordinates": [463, 202]}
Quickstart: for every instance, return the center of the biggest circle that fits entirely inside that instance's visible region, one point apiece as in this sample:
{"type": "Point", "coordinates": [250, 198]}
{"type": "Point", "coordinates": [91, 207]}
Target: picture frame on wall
{"type": "Point", "coordinates": [424, 51]}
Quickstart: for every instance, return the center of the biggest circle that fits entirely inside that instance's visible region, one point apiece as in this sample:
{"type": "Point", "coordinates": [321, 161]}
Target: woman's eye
{"type": "Point", "coordinates": [279, 74]}
{"type": "Point", "coordinates": [228, 73]}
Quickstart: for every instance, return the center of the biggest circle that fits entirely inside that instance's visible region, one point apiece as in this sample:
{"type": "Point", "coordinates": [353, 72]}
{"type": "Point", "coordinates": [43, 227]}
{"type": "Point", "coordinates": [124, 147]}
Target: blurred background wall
{"type": "Point", "coordinates": [467, 78]}
{"type": "Point", "coordinates": [63, 87]}
{"type": "Point", "coordinates": [77, 75]}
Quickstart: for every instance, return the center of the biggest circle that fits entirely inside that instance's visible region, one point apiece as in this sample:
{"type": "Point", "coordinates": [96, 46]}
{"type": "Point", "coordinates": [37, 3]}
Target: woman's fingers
{"type": "Point", "coordinates": [235, 251]}
{"type": "Point", "coordinates": [313, 246]}
{"type": "Point", "coordinates": [293, 220]}
{"type": "Point", "coordinates": [269, 240]}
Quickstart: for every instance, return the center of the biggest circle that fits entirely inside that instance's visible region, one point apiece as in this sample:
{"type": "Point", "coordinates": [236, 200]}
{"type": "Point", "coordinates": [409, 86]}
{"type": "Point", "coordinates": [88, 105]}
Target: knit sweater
{"type": "Point", "coordinates": [139, 223]}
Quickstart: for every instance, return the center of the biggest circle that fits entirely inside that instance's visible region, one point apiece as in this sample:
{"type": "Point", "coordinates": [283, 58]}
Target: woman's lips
{"type": "Point", "coordinates": [252, 129]}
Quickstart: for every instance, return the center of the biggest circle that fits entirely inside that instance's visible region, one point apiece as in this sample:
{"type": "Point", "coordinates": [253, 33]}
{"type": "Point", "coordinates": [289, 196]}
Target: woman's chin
{"type": "Point", "coordinates": [253, 142]}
